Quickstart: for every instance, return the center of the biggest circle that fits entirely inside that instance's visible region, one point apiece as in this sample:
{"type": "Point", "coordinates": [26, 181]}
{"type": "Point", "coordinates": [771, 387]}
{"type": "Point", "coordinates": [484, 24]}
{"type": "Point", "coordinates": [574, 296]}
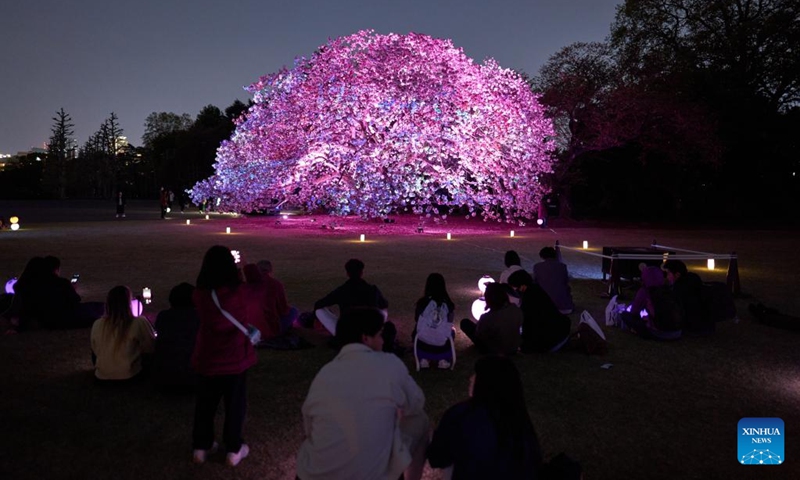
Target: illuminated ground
{"type": "Point", "coordinates": [647, 417]}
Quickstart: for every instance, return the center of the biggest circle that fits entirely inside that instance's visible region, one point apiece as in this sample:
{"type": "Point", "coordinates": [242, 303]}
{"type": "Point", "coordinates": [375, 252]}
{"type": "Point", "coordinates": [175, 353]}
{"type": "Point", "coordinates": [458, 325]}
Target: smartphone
{"type": "Point", "coordinates": [75, 278]}
{"type": "Point", "coordinates": [237, 257]}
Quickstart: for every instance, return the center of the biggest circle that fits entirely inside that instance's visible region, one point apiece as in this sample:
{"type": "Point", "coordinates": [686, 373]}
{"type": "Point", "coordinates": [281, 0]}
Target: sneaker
{"type": "Point", "coordinates": [233, 459]}
{"type": "Point", "coordinates": [424, 363]}
{"type": "Point", "coordinates": [444, 364]}
{"type": "Point", "coordinates": [199, 455]}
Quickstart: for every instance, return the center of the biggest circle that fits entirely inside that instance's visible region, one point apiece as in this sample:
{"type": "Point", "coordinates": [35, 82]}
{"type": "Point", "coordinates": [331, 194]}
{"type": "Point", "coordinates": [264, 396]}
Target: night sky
{"type": "Point", "coordinates": [93, 57]}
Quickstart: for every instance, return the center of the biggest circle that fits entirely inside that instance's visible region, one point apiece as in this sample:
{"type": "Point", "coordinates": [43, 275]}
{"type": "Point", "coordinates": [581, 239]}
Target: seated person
{"type": "Point", "coordinates": [434, 313]}
{"type": "Point", "coordinates": [355, 292]}
{"type": "Point", "coordinates": [544, 328]}
{"type": "Point", "coordinates": [490, 435]}
{"type": "Point", "coordinates": [688, 289]}
{"type": "Point", "coordinates": [25, 310]}
{"type": "Point", "coordinates": [552, 276]}
{"type": "Point", "coordinates": [497, 331]}
{"type": "Point", "coordinates": [364, 415]}
{"type": "Point", "coordinates": [278, 314]}
{"type": "Point", "coordinates": [177, 331]}
{"type": "Point", "coordinates": [62, 306]}
{"type": "Point", "coordinates": [654, 313]}
{"type": "Point", "coordinates": [120, 340]}
{"type": "Point", "coordinates": [513, 263]}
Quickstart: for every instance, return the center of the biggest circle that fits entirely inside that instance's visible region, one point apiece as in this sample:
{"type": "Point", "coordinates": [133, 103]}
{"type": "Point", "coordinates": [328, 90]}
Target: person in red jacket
{"type": "Point", "coordinates": [222, 353]}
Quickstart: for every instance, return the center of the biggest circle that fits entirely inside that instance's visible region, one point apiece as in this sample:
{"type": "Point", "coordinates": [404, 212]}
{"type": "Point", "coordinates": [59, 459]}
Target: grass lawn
{"type": "Point", "coordinates": [663, 411]}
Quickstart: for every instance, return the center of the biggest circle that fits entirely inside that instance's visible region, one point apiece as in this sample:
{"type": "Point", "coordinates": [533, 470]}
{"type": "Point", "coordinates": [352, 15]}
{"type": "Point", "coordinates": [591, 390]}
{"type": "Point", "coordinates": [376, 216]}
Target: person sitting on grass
{"type": "Point", "coordinates": [177, 329]}
{"type": "Point", "coordinates": [544, 328]}
{"type": "Point", "coordinates": [434, 313]}
{"type": "Point", "coordinates": [120, 340]}
{"type": "Point", "coordinates": [25, 310]}
{"type": "Point", "coordinates": [655, 313]}
{"type": "Point", "coordinates": [278, 314]}
{"type": "Point", "coordinates": [688, 289]}
{"type": "Point", "coordinates": [364, 415]}
{"type": "Point", "coordinates": [62, 307]}
{"type": "Point", "coordinates": [355, 292]}
{"type": "Point", "coordinates": [513, 263]}
{"type": "Point", "coordinates": [552, 276]}
{"type": "Point", "coordinates": [490, 435]}
{"type": "Point", "coordinates": [497, 331]}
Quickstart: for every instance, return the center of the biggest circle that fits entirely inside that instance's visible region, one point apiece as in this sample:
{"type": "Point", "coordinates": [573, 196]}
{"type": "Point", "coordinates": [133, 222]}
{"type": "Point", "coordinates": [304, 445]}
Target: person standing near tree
{"type": "Point", "coordinates": [120, 202]}
{"type": "Point", "coordinates": [163, 199]}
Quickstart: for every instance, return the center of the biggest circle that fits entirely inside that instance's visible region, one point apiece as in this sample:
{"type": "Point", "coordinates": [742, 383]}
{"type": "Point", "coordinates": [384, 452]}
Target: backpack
{"type": "Point", "coordinates": [668, 312]}
{"type": "Point", "coordinates": [589, 337]}
{"type": "Point", "coordinates": [432, 325]}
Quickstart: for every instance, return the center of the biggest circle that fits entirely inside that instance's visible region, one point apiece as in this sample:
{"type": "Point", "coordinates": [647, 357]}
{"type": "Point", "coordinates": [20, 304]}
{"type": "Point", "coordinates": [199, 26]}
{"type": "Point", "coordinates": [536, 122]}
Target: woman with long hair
{"type": "Point", "coordinates": [490, 435]}
{"type": "Point", "coordinates": [222, 353]}
{"type": "Point", "coordinates": [434, 313]}
{"type": "Point", "coordinates": [120, 339]}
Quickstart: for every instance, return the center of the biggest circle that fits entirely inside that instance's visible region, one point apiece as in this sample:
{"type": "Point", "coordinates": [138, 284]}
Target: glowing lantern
{"type": "Point", "coordinates": [485, 280]}
{"type": "Point", "coordinates": [512, 234]}
{"type": "Point", "coordinates": [147, 295]}
{"type": "Point", "coordinates": [363, 237]}
{"type": "Point", "coordinates": [449, 236]}
{"type": "Point", "coordinates": [136, 307]}
{"type": "Point", "coordinates": [227, 229]}
{"type": "Point", "coordinates": [15, 226]}
{"type": "Point", "coordinates": [10, 285]}
{"type": "Point", "coordinates": [206, 217]}
{"type": "Point", "coordinates": [478, 308]}
{"type": "Point", "coordinates": [710, 264]}
{"type": "Point", "coordinates": [585, 244]}
{"type": "Point", "coordinates": [188, 222]}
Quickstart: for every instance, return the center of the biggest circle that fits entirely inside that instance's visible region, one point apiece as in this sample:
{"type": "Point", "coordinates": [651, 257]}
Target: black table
{"type": "Point", "coordinates": [629, 268]}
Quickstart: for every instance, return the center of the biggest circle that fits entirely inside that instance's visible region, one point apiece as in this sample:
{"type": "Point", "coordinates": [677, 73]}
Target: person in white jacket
{"type": "Point", "coordinates": [364, 415]}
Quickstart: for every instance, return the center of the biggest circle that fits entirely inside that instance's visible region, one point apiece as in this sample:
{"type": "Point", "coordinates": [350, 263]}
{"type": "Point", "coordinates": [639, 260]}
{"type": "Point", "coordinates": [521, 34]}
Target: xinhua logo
{"type": "Point", "coordinates": [761, 441]}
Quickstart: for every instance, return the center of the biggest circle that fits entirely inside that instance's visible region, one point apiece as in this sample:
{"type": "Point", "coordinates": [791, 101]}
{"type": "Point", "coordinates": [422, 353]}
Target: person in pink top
{"type": "Point", "coordinates": [222, 353]}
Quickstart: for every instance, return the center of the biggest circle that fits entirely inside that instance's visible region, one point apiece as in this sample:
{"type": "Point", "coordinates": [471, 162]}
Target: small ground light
{"type": "Point", "coordinates": [710, 264]}
{"type": "Point", "coordinates": [188, 222]}
{"type": "Point", "coordinates": [511, 234]}
{"type": "Point", "coordinates": [363, 237]}
{"type": "Point", "coordinates": [227, 229]}
{"type": "Point", "coordinates": [147, 295]}
{"type": "Point", "coordinates": [286, 217]}
{"type": "Point", "coordinates": [206, 217]}
{"type": "Point", "coordinates": [539, 221]}
{"type": "Point", "coordinates": [478, 308]}
{"type": "Point", "coordinates": [169, 209]}
{"type": "Point", "coordinates": [449, 237]}
{"type": "Point", "coordinates": [14, 223]}
{"type": "Point", "coordinates": [585, 244]}
{"type": "Point", "coordinates": [15, 226]}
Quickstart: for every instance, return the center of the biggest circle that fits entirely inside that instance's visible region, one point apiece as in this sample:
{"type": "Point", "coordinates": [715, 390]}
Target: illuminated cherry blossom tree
{"type": "Point", "coordinates": [374, 124]}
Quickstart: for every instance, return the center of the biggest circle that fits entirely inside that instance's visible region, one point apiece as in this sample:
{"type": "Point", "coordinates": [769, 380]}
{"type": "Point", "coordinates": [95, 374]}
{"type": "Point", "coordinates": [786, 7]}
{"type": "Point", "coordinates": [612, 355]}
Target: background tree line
{"type": "Point", "coordinates": [178, 151]}
{"type": "Point", "coordinates": [689, 109]}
